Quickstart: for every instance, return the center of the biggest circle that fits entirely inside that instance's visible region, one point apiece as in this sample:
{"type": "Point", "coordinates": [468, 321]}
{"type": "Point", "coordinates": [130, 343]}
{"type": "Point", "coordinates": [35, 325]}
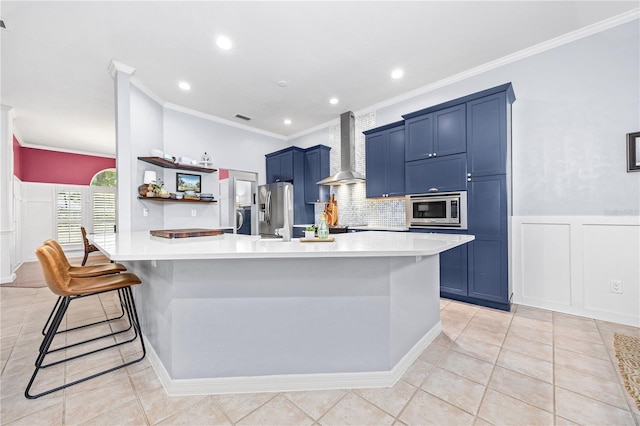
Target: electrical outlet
{"type": "Point", "coordinates": [193, 213]}
{"type": "Point", "coordinates": [616, 286]}
{"type": "Point", "coordinates": [145, 212]}
{"type": "Point", "coordinates": [153, 263]}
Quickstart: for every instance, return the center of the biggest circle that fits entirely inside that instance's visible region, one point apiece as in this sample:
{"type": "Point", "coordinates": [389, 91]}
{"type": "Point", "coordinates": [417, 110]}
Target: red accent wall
{"type": "Point", "coordinates": [17, 159]}
{"type": "Point", "coordinates": [40, 165]}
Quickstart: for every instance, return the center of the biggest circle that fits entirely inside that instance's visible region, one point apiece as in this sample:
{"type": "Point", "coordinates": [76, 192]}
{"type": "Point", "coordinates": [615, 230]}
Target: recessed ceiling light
{"type": "Point", "coordinates": [397, 73]}
{"type": "Point", "coordinates": [184, 86]}
{"type": "Point", "coordinates": [333, 101]}
{"type": "Point", "coordinates": [283, 83]}
{"type": "Point", "coordinates": [224, 43]}
{"type": "Point", "coordinates": [287, 121]}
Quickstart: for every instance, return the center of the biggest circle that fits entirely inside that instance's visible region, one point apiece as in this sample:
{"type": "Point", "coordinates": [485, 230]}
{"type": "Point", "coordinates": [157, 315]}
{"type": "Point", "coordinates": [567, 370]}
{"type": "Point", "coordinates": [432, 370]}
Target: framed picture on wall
{"type": "Point", "coordinates": [633, 152]}
{"type": "Point", "coordinates": [187, 182]}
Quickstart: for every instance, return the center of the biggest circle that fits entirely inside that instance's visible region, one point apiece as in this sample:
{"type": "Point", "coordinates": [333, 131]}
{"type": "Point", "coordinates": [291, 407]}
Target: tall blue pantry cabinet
{"type": "Point", "coordinates": [465, 144]}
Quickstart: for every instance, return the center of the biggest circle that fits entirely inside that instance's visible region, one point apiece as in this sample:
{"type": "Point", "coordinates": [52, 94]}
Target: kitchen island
{"type": "Point", "coordinates": [234, 313]}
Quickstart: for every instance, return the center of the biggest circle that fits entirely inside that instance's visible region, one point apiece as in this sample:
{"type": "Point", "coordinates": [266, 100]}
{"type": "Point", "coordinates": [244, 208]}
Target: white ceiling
{"type": "Point", "coordinates": [55, 56]}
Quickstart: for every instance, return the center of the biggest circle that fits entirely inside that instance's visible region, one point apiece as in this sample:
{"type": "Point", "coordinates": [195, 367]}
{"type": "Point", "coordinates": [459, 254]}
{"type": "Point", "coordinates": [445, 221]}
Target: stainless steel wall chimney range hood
{"type": "Point", "coordinates": [347, 173]}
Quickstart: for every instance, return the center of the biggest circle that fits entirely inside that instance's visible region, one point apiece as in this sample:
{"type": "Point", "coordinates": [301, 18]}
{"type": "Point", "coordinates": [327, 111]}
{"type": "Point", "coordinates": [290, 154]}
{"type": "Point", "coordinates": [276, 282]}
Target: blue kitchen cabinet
{"type": "Point", "coordinates": [303, 168]}
{"type": "Point", "coordinates": [281, 165]}
{"type": "Point", "coordinates": [448, 173]}
{"type": "Point", "coordinates": [453, 266]}
{"type": "Point", "coordinates": [287, 165]}
{"type": "Point", "coordinates": [385, 167]}
{"type": "Point", "coordinates": [431, 134]}
{"type": "Point", "coordinates": [316, 167]}
{"type": "Point", "coordinates": [488, 253]}
{"type": "Point", "coordinates": [487, 135]}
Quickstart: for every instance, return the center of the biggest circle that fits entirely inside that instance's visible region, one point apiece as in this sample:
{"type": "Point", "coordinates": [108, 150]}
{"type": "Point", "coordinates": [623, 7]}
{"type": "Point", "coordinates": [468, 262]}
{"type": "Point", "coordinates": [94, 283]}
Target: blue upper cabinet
{"type": "Point", "coordinates": [448, 173]}
{"type": "Point", "coordinates": [487, 135]}
{"type": "Point", "coordinates": [384, 150]}
{"type": "Point", "coordinates": [419, 137]}
{"type": "Point", "coordinates": [434, 134]}
{"type": "Point", "coordinates": [316, 167]}
{"type": "Point", "coordinates": [282, 166]}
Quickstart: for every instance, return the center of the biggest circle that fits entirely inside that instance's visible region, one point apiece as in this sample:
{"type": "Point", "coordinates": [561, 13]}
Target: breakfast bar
{"type": "Point", "coordinates": [236, 313]}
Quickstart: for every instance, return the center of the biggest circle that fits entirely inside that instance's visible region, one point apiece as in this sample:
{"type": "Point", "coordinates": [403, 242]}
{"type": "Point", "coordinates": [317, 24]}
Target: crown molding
{"type": "Point", "coordinates": [226, 122]}
{"type": "Point", "coordinates": [115, 66]}
{"type": "Point", "coordinates": [514, 57]}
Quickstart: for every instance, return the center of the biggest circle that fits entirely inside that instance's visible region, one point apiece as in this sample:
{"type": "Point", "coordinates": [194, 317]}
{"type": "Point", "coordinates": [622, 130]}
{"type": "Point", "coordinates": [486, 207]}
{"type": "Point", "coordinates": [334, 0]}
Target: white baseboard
{"type": "Point", "coordinates": [8, 279]}
{"type": "Point", "coordinates": [289, 382]}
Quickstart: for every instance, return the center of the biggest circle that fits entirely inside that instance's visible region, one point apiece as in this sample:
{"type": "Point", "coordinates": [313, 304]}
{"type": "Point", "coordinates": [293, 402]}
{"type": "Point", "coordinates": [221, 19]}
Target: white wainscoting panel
{"type": "Point", "coordinates": [546, 262]}
{"type": "Point", "coordinates": [611, 253]}
{"type": "Point", "coordinates": [566, 264]}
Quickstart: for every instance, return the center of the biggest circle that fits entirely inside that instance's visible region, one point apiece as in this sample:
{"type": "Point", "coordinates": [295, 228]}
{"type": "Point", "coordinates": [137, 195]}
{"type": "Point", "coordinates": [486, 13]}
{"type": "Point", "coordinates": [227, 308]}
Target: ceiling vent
{"type": "Point", "coordinates": [243, 117]}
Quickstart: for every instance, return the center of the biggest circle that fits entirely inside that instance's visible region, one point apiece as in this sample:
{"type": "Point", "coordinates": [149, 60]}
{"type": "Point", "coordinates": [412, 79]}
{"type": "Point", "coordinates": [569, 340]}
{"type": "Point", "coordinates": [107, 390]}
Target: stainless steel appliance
{"type": "Point", "coordinates": [275, 210]}
{"type": "Point", "coordinates": [437, 210]}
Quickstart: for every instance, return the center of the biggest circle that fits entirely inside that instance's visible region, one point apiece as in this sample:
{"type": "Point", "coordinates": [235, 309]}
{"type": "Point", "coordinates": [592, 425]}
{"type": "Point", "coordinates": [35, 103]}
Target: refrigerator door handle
{"type": "Point", "coordinates": [268, 208]}
{"type": "Point", "coordinates": [239, 220]}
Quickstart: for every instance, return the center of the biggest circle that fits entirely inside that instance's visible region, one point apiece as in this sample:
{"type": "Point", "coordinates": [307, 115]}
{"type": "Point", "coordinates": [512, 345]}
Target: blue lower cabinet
{"type": "Point", "coordinates": [440, 174]}
{"type": "Point", "coordinates": [453, 266]}
{"type": "Point", "coordinates": [453, 271]}
{"type": "Point", "coordinates": [487, 271]}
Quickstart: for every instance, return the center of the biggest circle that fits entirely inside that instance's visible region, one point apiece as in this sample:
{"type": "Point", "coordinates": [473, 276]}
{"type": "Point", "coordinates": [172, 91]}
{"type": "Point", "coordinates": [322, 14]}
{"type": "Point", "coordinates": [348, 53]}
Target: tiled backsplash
{"type": "Point", "coordinates": [353, 206]}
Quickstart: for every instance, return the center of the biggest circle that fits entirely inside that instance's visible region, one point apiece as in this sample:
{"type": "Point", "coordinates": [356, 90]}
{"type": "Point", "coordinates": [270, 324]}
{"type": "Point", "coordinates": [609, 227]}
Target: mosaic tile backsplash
{"type": "Point", "coordinates": [353, 206]}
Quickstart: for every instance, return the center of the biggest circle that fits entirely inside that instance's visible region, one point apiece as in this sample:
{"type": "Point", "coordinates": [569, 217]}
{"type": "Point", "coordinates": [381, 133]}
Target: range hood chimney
{"type": "Point", "coordinates": [347, 173]}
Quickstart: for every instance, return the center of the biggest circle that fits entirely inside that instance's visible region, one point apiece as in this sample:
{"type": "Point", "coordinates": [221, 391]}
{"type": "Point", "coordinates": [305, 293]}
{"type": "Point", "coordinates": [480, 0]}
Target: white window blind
{"type": "Point", "coordinates": [104, 210]}
{"type": "Point", "coordinates": [68, 216]}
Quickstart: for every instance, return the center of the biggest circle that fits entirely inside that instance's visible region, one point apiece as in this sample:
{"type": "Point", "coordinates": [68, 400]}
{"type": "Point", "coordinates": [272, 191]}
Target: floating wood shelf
{"type": "Point", "coordinates": [157, 161]}
{"type": "Point", "coordinates": [175, 200]}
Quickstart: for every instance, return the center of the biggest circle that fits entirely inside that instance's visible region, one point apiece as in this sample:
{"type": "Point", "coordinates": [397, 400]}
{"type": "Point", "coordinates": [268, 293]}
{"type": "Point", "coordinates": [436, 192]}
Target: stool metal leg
{"type": "Point", "coordinates": [44, 329]}
{"type": "Point", "coordinates": [128, 305]}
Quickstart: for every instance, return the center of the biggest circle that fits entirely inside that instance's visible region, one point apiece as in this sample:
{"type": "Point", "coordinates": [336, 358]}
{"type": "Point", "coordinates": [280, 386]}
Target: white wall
{"type": "Point", "coordinates": [229, 147]}
{"type": "Point", "coordinates": [146, 134]}
{"type": "Point", "coordinates": [574, 106]}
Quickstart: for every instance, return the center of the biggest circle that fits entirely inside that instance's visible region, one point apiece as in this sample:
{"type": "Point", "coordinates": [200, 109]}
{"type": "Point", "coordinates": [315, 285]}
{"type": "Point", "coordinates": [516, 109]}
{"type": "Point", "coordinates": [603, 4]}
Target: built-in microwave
{"type": "Point", "coordinates": [437, 210]}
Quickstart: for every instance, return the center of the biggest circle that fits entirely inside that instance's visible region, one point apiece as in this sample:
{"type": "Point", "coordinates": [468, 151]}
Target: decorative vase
{"type": "Point", "coordinates": [309, 235]}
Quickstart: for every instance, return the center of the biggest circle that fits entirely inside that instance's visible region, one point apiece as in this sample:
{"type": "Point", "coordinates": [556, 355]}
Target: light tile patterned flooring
{"type": "Point", "coordinates": [525, 367]}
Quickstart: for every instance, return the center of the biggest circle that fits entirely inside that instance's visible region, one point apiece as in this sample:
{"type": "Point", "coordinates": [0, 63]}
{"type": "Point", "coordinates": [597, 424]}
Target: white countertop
{"type": "Point", "coordinates": [380, 228]}
{"type": "Point", "coordinates": [140, 245]}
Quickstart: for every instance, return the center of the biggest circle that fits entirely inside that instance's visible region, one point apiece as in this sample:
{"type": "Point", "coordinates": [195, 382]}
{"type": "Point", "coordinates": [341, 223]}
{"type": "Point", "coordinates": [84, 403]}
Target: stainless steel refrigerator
{"type": "Point", "coordinates": [275, 209]}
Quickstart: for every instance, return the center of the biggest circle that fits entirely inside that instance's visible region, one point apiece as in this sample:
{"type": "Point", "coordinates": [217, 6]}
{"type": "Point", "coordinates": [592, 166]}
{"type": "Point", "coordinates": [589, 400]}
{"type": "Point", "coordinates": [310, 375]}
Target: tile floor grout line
{"type": "Point", "coordinates": [493, 368]}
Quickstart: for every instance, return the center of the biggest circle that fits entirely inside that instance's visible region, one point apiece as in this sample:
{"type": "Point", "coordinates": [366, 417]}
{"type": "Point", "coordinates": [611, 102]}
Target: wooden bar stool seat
{"type": "Point", "coordinates": [59, 281]}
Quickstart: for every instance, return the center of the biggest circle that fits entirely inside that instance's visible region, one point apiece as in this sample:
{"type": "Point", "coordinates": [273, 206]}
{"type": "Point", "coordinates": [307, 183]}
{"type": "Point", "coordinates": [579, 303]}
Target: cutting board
{"type": "Point", "coordinates": [186, 233]}
{"type": "Point", "coordinates": [318, 240]}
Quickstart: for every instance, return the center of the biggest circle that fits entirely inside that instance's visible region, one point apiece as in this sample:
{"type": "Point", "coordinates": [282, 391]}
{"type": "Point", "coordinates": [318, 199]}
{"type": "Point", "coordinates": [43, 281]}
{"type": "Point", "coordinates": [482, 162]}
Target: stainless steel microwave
{"type": "Point", "coordinates": [437, 210]}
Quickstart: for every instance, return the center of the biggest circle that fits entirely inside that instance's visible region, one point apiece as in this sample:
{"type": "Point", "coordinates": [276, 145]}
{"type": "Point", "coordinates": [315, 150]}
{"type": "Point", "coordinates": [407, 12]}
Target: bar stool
{"type": "Point", "coordinates": [83, 272]}
{"type": "Point", "coordinates": [88, 247]}
{"type": "Point", "coordinates": [61, 283]}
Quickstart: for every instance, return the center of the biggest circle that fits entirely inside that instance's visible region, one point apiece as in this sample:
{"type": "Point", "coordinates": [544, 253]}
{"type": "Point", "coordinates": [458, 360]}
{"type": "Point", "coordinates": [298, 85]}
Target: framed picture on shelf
{"type": "Point", "coordinates": [187, 182]}
{"type": "Point", "coordinates": [633, 152]}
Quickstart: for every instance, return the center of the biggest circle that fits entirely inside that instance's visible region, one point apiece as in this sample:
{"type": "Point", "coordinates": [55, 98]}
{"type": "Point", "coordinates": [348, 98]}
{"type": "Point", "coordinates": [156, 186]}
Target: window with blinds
{"type": "Point", "coordinates": [68, 216]}
{"type": "Point", "coordinates": [104, 211]}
